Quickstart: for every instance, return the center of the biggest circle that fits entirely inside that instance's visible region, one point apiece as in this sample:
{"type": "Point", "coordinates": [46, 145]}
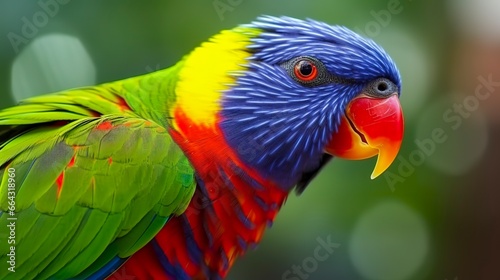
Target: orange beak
{"type": "Point", "coordinates": [371, 126]}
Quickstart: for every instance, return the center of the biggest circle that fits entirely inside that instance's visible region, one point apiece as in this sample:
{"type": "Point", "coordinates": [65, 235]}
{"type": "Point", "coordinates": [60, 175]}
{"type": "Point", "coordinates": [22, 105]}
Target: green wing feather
{"type": "Point", "coordinates": [93, 179]}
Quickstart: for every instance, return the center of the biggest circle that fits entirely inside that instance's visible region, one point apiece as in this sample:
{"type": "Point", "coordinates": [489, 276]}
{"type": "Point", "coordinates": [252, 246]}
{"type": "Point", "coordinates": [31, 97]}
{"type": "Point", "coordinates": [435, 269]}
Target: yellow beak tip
{"type": "Point", "coordinates": [374, 175]}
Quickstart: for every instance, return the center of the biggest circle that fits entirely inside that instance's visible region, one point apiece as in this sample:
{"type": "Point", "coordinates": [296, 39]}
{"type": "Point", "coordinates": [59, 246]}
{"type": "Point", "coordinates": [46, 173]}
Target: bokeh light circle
{"type": "Point", "coordinates": [465, 135]}
{"type": "Point", "coordinates": [478, 18]}
{"type": "Point", "coordinates": [389, 242]}
{"type": "Point", "coordinates": [51, 63]}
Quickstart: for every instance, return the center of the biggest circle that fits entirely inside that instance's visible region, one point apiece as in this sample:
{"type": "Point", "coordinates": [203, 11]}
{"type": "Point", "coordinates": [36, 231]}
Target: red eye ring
{"type": "Point", "coordinates": [305, 70]}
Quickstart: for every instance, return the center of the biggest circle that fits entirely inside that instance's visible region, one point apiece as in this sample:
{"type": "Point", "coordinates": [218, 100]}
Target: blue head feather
{"type": "Point", "coordinates": [279, 126]}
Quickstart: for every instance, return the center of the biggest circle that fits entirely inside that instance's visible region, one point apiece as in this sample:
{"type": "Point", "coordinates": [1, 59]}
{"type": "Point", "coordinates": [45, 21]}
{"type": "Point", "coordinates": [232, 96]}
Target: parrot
{"type": "Point", "coordinates": [176, 173]}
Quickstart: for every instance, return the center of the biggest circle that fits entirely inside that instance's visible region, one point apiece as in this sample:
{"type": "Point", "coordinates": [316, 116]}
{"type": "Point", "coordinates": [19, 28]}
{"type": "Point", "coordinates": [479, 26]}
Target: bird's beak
{"type": "Point", "coordinates": [370, 126]}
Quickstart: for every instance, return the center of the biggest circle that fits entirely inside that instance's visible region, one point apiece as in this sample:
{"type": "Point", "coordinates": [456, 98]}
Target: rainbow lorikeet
{"type": "Point", "coordinates": [174, 174]}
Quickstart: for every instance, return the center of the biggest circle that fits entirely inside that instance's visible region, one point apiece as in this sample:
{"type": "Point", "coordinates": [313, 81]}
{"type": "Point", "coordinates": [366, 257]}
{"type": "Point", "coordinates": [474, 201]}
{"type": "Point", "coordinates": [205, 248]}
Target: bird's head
{"type": "Point", "coordinates": [284, 92]}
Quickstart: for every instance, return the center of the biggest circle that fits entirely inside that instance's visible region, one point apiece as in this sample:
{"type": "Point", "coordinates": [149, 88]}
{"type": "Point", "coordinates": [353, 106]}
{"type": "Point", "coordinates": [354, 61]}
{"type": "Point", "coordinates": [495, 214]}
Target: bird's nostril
{"type": "Point", "coordinates": [382, 86]}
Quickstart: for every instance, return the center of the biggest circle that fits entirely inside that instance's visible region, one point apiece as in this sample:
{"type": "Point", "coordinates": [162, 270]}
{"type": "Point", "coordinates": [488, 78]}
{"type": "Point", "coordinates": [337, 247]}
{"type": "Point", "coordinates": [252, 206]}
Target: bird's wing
{"type": "Point", "coordinates": [83, 188]}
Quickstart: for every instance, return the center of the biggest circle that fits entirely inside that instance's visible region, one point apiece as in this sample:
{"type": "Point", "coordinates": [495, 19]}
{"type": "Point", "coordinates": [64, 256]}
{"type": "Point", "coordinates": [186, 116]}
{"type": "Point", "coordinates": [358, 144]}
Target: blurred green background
{"type": "Point", "coordinates": [433, 215]}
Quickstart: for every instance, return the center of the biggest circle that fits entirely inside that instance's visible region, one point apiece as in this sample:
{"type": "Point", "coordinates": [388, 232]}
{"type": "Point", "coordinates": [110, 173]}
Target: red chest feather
{"type": "Point", "coordinates": [229, 212]}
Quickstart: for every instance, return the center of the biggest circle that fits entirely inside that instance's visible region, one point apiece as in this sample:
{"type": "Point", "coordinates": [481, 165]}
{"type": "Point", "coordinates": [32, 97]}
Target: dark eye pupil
{"type": "Point", "coordinates": [305, 68]}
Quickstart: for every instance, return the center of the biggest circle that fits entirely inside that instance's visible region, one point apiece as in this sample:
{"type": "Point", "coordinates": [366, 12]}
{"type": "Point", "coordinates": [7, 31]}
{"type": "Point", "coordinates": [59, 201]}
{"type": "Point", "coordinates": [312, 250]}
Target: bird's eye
{"type": "Point", "coordinates": [308, 71]}
{"type": "Point", "coordinates": [305, 70]}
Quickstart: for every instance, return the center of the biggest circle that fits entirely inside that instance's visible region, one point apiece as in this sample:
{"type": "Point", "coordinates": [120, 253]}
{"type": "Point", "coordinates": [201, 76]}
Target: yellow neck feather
{"type": "Point", "coordinates": [206, 73]}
